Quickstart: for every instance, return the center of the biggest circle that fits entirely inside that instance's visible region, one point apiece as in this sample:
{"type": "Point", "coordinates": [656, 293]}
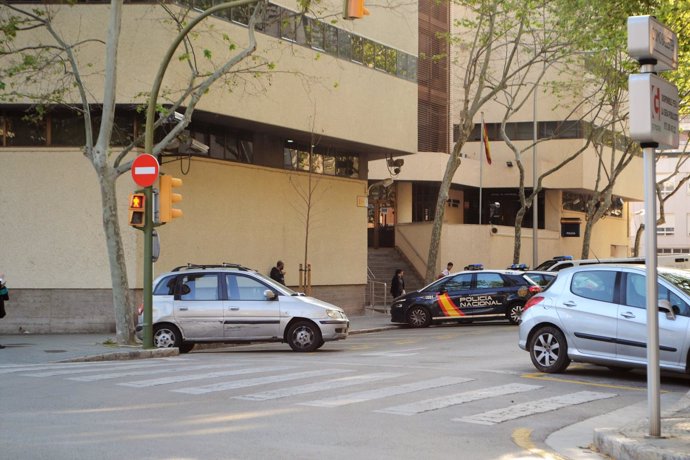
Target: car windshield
{"type": "Point", "coordinates": [679, 278]}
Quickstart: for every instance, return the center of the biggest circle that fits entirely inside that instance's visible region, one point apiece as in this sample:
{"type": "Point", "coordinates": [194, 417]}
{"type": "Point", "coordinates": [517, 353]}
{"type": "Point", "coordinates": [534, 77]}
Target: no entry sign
{"type": "Point", "coordinates": [145, 170]}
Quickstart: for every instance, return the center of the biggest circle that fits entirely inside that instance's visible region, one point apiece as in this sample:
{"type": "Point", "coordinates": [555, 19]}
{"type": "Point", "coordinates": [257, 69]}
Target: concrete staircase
{"type": "Point", "coordinates": [382, 264]}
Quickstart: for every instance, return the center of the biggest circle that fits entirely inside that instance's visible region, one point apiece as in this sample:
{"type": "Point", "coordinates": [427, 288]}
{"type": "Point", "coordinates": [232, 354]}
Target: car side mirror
{"type": "Point", "coordinates": [270, 295]}
{"type": "Point", "coordinates": [666, 307]}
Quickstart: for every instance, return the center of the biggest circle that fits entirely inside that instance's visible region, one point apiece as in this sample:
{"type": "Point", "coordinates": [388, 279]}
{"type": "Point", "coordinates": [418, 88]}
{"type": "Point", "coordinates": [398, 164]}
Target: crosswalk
{"type": "Point", "coordinates": [399, 393]}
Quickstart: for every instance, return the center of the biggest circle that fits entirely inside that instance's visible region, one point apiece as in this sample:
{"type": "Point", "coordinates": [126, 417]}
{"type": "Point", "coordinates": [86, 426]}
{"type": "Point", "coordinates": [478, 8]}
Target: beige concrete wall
{"type": "Point", "coordinates": [306, 90]}
{"type": "Point", "coordinates": [469, 244]}
{"type": "Point", "coordinates": [254, 216]}
{"type": "Point", "coordinates": [52, 231]}
{"type": "Point", "coordinates": [53, 236]}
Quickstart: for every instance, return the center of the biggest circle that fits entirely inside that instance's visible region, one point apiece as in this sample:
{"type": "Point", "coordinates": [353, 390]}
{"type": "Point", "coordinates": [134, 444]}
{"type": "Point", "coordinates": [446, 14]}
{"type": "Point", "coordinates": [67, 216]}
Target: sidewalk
{"type": "Point", "coordinates": [628, 441]}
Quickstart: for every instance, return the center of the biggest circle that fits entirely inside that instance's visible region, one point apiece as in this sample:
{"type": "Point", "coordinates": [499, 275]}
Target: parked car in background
{"type": "Point", "coordinates": [466, 296]}
{"type": "Point", "coordinates": [562, 262]}
{"type": "Point", "coordinates": [230, 303]}
{"type": "Point", "coordinates": [541, 278]}
{"type": "Point", "coordinates": [597, 314]}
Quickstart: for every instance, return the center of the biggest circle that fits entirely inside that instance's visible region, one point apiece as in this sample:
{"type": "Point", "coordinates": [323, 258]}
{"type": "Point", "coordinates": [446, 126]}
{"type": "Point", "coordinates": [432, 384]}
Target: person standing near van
{"type": "Point", "coordinates": [448, 269]}
{"type": "Point", "coordinates": [278, 272]}
{"type": "Point", "coordinates": [398, 284]}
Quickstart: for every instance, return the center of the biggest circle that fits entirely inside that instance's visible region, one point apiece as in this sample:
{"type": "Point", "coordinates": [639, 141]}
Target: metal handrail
{"type": "Point", "coordinates": [378, 295]}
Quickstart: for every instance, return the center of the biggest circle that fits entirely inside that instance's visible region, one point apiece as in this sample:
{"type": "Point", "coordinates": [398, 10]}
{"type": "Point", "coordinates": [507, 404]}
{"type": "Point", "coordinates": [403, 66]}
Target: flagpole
{"type": "Point", "coordinates": [481, 165]}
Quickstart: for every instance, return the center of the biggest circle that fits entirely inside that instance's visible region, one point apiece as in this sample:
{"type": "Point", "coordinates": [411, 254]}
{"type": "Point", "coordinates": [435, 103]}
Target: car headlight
{"type": "Point", "coordinates": [335, 314]}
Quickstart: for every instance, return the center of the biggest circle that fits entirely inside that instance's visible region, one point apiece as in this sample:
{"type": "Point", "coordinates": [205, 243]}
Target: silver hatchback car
{"type": "Point", "coordinates": [232, 304]}
{"type": "Point", "coordinates": [596, 314]}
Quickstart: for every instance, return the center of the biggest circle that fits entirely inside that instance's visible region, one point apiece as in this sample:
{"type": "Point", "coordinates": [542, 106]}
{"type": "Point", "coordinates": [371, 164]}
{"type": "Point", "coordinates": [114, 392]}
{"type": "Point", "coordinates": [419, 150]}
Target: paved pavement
{"type": "Point", "coordinates": [621, 435]}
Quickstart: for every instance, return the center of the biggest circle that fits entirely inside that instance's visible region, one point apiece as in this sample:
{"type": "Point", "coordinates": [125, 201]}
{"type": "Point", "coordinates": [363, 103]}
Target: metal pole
{"type": "Point", "coordinates": [653, 372]}
{"type": "Point", "coordinates": [482, 150]}
{"type": "Point", "coordinates": [535, 201]}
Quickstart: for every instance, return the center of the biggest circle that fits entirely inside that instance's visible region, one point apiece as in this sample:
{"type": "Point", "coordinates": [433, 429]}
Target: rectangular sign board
{"type": "Point", "coordinates": [649, 39]}
{"type": "Point", "coordinates": [653, 110]}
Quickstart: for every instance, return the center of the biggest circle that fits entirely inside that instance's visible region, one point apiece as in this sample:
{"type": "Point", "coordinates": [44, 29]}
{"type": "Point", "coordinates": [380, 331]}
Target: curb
{"type": "Point", "coordinates": [374, 329]}
{"type": "Point", "coordinates": [126, 355]}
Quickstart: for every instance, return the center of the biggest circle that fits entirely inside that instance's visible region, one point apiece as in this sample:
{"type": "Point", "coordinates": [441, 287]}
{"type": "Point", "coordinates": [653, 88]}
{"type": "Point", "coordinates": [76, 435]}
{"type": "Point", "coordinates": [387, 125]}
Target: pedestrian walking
{"type": "Point", "coordinates": [398, 284]}
{"type": "Point", "coordinates": [4, 295]}
{"type": "Point", "coordinates": [278, 272]}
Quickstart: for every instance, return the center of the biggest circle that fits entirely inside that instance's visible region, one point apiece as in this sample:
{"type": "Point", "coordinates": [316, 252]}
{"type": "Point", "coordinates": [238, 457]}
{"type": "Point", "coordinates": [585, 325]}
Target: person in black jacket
{"type": "Point", "coordinates": [4, 295]}
{"type": "Point", "coordinates": [398, 284]}
{"type": "Point", "coordinates": [278, 272]}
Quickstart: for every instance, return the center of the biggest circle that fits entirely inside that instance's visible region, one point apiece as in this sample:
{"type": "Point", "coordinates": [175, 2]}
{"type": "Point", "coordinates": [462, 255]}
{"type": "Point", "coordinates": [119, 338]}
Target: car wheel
{"type": "Point", "coordinates": [186, 347]}
{"type": "Point", "coordinates": [418, 317]}
{"type": "Point", "coordinates": [515, 313]}
{"type": "Point", "coordinates": [304, 336]}
{"type": "Point", "coordinates": [166, 336]}
{"type": "Point", "coordinates": [549, 350]}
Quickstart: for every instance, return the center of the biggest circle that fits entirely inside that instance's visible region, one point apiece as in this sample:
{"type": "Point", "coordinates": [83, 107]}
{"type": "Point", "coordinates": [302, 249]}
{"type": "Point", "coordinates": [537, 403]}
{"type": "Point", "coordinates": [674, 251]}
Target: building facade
{"type": "Point", "coordinates": [336, 95]}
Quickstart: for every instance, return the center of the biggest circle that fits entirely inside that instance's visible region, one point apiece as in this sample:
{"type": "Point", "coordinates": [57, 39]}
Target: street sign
{"type": "Point", "coordinates": [648, 39]}
{"type": "Point", "coordinates": [145, 170]}
{"type": "Point", "coordinates": [653, 110]}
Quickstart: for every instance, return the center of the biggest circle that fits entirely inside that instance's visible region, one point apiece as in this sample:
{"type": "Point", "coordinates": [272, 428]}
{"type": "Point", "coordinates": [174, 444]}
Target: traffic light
{"type": "Point", "coordinates": [354, 9]}
{"type": "Point", "coordinates": [137, 211]}
{"type": "Point", "coordinates": [166, 198]}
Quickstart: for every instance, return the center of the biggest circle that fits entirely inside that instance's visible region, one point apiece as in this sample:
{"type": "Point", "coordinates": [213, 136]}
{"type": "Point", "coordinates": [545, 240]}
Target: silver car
{"type": "Point", "coordinates": [596, 314]}
{"type": "Point", "coordinates": [232, 304]}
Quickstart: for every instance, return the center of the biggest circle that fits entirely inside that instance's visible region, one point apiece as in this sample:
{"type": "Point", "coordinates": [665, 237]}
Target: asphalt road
{"type": "Point", "coordinates": [456, 391]}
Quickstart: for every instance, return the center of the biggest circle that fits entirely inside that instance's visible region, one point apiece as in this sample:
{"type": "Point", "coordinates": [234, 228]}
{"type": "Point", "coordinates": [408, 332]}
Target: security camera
{"type": "Point", "coordinates": [497, 205]}
{"type": "Point", "coordinates": [199, 146]}
{"type": "Point", "coordinates": [396, 170]}
{"type": "Point", "coordinates": [174, 117]}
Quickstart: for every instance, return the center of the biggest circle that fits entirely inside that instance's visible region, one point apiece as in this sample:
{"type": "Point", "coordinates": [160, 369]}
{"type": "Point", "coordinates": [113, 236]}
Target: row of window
{"type": "Point", "coordinates": [573, 201]}
{"type": "Point", "coordinates": [524, 130]}
{"type": "Point", "coordinates": [321, 163]}
{"type": "Point", "coordinates": [285, 24]}
{"type": "Point", "coordinates": [602, 286]}
{"type": "Point", "coordinates": [62, 128]}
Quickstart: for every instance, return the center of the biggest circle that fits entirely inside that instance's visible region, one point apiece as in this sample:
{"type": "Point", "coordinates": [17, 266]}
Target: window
{"type": "Point", "coordinates": [199, 287]}
{"type": "Point", "coordinates": [166, 286]}
{"type": "Point", "coordinates": [595, 285]}
{"type": "Point", "coordinates": [668, 228]}
{"type": "Point", "coordinates": [244, 288]}
{"type": "Point", "coordinates": [635, 291]}
{"type": "Point", "coordinates": [489, 280]}
{"type": "Point", "coordinates": [459, 283]}
{"type": "Point", "coordinates": [320, 163]}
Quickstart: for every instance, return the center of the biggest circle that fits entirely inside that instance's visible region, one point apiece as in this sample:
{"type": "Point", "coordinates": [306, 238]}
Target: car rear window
{"type": "Point", "coordinates": [595, 285]}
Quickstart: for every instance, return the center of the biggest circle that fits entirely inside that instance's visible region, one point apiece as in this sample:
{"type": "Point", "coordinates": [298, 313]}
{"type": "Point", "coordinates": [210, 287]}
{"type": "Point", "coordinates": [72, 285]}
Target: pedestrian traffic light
{"type": "Point", "coordinates": [137, 211]}
{"type": "Point", "coordinates": [354, 9]}
{"type": "Point", "coordinates": [166, 198]}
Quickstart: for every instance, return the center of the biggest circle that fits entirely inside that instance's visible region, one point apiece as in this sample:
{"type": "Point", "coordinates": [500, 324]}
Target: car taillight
{"type": "Point", "coordinates": [532, 302]}
{"type": "Point", "coordinates": [534, 289]}
{"type": "Point", "coordinates": [140, 309]}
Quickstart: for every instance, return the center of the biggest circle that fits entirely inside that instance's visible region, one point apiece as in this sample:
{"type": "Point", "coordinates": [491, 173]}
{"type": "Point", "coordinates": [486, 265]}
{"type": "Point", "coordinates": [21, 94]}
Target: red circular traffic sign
{"type": "Point", "coordinates": [145, 170]}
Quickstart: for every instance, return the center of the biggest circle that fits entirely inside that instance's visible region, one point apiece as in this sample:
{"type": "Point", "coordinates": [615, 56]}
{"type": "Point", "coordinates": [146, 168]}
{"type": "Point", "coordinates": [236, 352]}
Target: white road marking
{"type": "Point", "coordinates": [83, 370]}
{"type": "Point", "coordinates": [114, 375]}
{"type": "Point", "coordinates": [318, 386]}
{"type": "Point", "coordinates": [224, 386]}
{"type": "Point", "coordinates": [384, 392]}
{"type": "Point", "coordinates": [534, 407]}
{"type": "Point", "coordinates": [458, 398]}
{"type": "Point", "coordinates": [209, 375]}
{"type": "Point", "coordinates": [394, 354]}
{"type": "Point", "coordinates": [91, 365]}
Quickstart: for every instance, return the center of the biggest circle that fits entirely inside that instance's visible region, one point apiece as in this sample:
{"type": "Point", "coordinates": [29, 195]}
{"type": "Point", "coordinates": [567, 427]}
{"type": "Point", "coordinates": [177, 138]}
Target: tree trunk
{"type": "Point", "coordinates": [589, 225]}
{"type": "Point", "coordinates": [122, 296]}
{"type": "Point", "coordinates": [451, 167]}
{"type": "Point", "coordinates": [638, 239]}
{"type": "Point", "coordinates": [517, 246]}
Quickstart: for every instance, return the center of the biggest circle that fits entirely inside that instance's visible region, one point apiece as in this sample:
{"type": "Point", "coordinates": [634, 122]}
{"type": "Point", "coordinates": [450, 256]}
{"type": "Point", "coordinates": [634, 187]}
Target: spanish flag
{"type": "Point", "coordinates": [487, 147]}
